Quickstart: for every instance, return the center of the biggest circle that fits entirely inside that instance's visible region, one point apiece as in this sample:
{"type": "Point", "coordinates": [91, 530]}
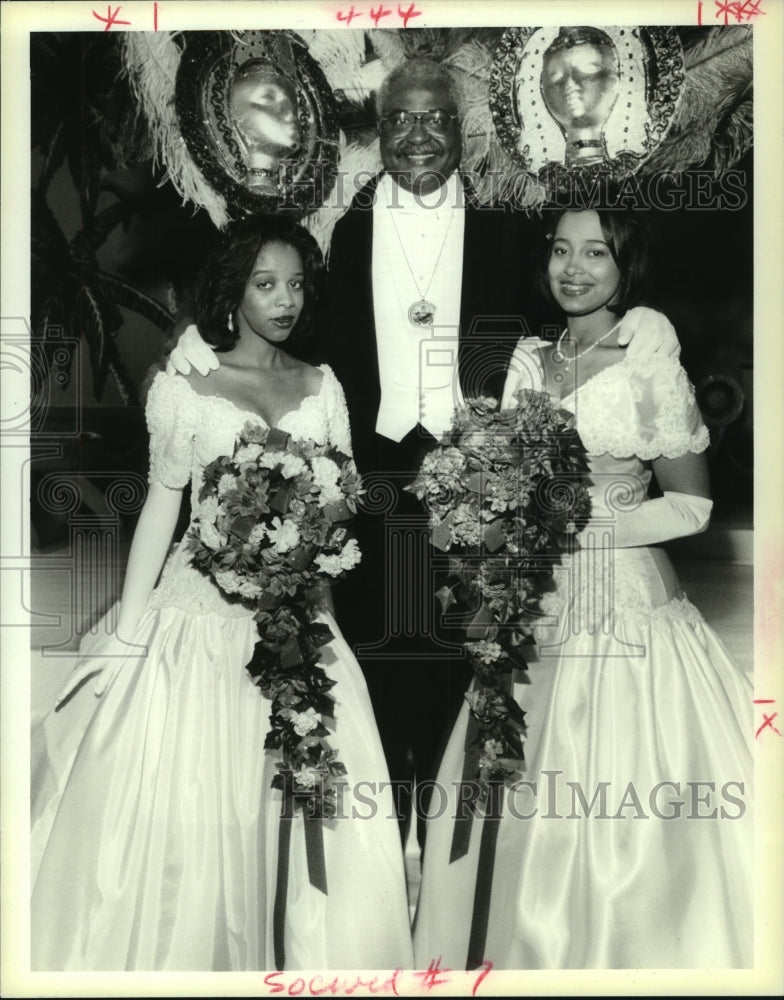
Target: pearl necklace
{"type": "Point", "coordinates": [581, 354]}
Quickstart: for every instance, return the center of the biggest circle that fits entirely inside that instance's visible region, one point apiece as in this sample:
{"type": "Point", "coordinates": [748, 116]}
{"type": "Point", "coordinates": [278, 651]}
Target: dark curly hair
{"type": "Point", "coordinates": [224, 277]}
{"type": "Point", "coordinates": [628, 235]}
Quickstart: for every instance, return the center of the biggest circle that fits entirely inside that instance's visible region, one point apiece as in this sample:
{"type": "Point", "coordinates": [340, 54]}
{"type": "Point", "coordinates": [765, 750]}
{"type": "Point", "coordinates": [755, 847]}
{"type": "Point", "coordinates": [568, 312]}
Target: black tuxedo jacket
{"type": "Point", "coordinates": [498, 305]}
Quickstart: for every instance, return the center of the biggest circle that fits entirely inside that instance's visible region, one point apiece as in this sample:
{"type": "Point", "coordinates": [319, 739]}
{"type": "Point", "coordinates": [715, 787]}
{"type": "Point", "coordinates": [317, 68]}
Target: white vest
{"type": "Point", "coordinates": [417, 253]}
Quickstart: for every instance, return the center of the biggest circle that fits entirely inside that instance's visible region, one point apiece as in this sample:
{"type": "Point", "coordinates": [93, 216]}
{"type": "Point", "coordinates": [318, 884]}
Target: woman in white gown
{"type": "Point", "coordinates": [155, 829]}
{"type": "Point", "coordinates": [629, 842]}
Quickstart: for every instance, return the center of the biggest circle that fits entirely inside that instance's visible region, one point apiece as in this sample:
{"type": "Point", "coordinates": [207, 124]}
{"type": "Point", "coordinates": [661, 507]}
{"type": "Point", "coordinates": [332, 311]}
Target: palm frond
{"type": "Point", "coordinates": [116, 368]}
{"type": "Point", "coordinates": [128, 297]}
{"type": "Point", "coordinates": [103, 223]}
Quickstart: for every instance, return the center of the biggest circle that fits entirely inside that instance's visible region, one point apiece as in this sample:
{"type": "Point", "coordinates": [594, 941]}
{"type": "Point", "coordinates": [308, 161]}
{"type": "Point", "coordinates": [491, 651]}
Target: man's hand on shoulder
{"type": "Point", "coordinates": [192, 352]}
{"type": "Point", "coordinates": [648, 332]}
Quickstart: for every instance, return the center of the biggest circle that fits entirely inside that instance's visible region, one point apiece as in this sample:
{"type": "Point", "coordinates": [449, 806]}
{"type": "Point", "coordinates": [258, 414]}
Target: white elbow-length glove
{"type": "Point", "coordinates": [673, 515]}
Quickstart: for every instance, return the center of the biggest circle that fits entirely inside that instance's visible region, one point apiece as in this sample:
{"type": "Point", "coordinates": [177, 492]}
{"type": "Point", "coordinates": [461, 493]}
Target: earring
{"type": "Point", "coordinates": [231, 323]}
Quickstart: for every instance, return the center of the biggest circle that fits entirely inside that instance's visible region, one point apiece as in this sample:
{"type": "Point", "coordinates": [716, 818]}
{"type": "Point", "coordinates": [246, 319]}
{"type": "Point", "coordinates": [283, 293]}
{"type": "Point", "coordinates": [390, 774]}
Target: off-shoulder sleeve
{"type": "Point", "coordinates": [171, 423]}
{"type": "Point", "coordinates": [645, 408]}
{"type": "Point", "coordinates": [525, 369]}
{"type": "Point", "coordinates": [668, 418]}
{"type": "Point", "coordinates": [339, 429]}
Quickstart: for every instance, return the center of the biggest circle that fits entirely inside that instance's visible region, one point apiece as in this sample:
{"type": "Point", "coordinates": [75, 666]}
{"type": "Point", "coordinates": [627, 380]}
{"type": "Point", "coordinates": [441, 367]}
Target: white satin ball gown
{"type": "Point", "coordinates": [634, 703]}
{"type": "Point", "coordinates": [155, 830]}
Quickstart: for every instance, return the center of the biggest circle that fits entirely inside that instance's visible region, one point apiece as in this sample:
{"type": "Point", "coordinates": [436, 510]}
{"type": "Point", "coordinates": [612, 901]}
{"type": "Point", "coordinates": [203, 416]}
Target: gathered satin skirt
{"type": "Point", "coordinates": [628, 841]}
{"type": "Point", "coordinates": [155, 829]}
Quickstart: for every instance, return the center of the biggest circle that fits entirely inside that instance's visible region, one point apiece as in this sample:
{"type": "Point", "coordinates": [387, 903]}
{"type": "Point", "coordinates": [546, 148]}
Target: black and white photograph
{"type": "Point", "coordinates": [392, 547]}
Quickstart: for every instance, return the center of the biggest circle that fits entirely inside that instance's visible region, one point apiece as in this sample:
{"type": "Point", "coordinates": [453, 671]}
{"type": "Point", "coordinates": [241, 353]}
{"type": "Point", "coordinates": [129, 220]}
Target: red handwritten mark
{"type": "Point", "coordinates": [111, 17]}
{"type": "Point", "coordinates": [486, 968]}
{"type": "Point", "coordinates": [316, 986]}
{"type": "Point", "coordinates": [348, 18]}
{"type": "Point", "coordinates": [429, 976]}
{"type": "Point", "coordinates": [768, 724]}
{"type": "Point", "coordinates": [155, 16]}
{"type": "Point", "coordinates": [738, 10]}
{"type": "Point", "coordinates": [407, 15]}
{"type": "Point", "coordinates": [767, 720]}
{"type": "Point", "coordinates": [378, 14]}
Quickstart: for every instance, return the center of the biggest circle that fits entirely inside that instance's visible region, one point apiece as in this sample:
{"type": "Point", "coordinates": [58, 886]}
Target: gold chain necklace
{"type": "Point", "coordinates": [421, 312]}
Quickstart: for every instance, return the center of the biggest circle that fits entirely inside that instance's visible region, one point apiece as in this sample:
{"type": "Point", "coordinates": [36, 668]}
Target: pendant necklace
{"type": "Point", "coordinates": [421, 312]}
{"type": "Point", "coordinates": [581, 354]}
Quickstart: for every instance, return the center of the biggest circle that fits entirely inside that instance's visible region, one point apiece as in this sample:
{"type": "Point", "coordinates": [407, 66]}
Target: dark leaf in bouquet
{"type": "Point", "coordinates": [290, 655]}
{"type": "Point", "coordinates": [336, 512]}
{"type": "Point", "coordinates": [514, 743]}
{"type": "Point", "coordinates": [266, 601]}
{"type": "Point", "coordinates": [224, 558]}
{"type": "Point", "coordinates": [481, 622]}
{"type": "Point", "coordinates": [202, 556]}
{"type": "Point", "coordinates": [242, 527]}
{"type": "Point", "coordinates": [289, 698]}
{"type": "Point", "coordinates": [337, 769]}
{"type": "Point", "coordinates": [319, 633]}
{"type": "Point", "coordinates": [324, 704]}
{"type": "Point", "coordinates": [274, 740]}
{"type": "Point", "coordinates": [300, 557]}
{"type": "Point", "coordinates": [317, 679]}
{"type": "Point", "coordinates": [495, 535]}
{"type": "Point", "coordinates": [446, 598]}
{"type": "Point", "coordinates": [476, 482]}
{"type": "Point", "coordinates": [514, 651]}
{"type": "Point", "coordinates": [441, 537]}
{"type": "Point", "coordinates": [212, 474]}
{"type": "Point", "coordinates": [485, 672]}
{"type": "Point", "coordinates": [277, 440]}
{"type": "Point", "coordinates": [279, 499]}
{"type": "Point", "coordinates": [514, 711]}
{"type": "Point", "coordinates": [340, 459]}
{"type": "Point", "coordinates": [260, 659]}
{"type": "Point", "coordinates": [456, 565]}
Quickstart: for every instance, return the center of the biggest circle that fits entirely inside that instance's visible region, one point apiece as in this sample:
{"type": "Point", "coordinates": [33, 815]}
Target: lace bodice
{"type": "Point", "coordinates": [188, 431]}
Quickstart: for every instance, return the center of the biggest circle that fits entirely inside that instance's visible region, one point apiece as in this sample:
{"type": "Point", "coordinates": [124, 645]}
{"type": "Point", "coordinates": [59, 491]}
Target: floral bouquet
{"type": "Point", "coordinates": [503, 489]}
{"type": "Point", "coordinates": [271, 530]}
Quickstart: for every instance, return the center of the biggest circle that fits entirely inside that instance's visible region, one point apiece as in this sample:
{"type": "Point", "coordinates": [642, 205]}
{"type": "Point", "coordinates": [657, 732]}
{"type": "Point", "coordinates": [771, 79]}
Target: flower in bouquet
{"type": "Point", "coordinates": [283, 535]}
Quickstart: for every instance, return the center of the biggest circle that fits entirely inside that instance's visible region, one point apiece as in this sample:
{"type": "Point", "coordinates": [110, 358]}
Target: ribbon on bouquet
{"type": "Point", "coordinates": [314, 852]}
{"type": "Point", "coordinates": [483, 886]}
{"type": "Point", "coordinates": [468, 796]}
{"type": "Point", "coordinates": [468, 793]}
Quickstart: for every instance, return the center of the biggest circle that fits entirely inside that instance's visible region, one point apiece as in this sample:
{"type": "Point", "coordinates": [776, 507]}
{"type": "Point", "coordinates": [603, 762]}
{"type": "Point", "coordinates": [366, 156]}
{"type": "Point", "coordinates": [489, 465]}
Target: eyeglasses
{"type": "Point", "coordinates": [404, 121]}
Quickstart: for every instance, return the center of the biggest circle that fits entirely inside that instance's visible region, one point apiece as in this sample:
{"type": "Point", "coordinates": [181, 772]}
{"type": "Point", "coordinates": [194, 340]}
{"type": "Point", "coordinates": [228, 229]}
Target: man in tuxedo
{"type": "Point", "coordinates": [427, 295]}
